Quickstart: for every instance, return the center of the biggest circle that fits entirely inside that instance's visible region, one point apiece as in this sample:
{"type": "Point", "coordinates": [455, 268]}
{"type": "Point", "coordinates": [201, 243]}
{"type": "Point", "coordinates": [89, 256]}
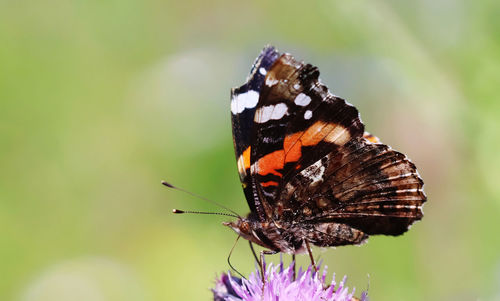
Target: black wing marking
{"type": "Point", "coordinates": [243, 105]}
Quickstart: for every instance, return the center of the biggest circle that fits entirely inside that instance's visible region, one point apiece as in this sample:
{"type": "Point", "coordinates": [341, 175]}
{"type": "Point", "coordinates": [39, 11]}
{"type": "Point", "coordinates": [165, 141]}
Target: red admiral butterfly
{"type": "Point", "coordinates": [310, 173]}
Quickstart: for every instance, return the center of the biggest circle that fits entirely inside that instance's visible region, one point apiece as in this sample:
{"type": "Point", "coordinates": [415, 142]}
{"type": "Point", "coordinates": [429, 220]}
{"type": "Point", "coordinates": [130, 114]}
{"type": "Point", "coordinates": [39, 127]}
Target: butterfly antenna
{"type": "Point", "coordinates": [177, 211]}
{"type": "Point", "coordinates": [167, 184]}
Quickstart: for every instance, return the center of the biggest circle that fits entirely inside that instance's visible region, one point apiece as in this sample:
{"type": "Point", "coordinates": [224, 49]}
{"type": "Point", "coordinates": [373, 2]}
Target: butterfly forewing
{"type": "Point", "coordinates": [297, 121]}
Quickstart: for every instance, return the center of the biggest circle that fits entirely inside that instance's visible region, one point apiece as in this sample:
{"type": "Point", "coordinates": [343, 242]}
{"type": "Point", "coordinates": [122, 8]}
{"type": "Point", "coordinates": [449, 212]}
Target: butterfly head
{"type": "Point", "coordinates": [251, 230]}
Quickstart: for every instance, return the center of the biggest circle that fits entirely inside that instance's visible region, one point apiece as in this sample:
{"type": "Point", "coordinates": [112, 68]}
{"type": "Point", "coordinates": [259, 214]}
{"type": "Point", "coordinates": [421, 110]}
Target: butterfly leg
{"type": "Point", "coordinates": [263, 264]}
{"type": "Point", "coordinates": [261, 261]}
{"type": "Point", "coordinates": [311, 255]}
{"type": "Point", "coordinates": [253, 252]}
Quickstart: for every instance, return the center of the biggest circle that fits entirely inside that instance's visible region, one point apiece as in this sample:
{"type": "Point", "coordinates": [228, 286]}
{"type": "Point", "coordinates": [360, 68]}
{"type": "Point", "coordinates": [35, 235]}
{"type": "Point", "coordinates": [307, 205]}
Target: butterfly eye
{"type": "Point", "coordinates": [245, 227]}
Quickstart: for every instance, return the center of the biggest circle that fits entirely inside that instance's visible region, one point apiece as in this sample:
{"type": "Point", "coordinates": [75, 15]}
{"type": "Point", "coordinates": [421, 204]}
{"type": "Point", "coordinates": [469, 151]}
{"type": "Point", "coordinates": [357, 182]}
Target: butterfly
{"type": "Point", "coordinates": [310, 172]}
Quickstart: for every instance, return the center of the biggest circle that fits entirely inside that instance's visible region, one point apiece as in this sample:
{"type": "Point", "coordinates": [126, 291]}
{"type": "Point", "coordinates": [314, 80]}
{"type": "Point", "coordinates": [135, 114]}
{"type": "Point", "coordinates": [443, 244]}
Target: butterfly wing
{"type": "Point", "coordinates": [310, 160]}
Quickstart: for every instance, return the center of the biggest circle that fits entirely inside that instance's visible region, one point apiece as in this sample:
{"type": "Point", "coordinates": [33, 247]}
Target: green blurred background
{"type": "Point", "coordinates": [100, 100]}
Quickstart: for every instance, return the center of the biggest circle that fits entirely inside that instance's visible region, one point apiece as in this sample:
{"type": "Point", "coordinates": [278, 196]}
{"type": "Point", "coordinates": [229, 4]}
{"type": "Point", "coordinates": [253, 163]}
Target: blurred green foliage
{"type": "Point", "coordinates": [100, 100]}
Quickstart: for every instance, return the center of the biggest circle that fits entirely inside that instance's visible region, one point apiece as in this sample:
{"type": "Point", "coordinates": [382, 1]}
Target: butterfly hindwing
{"type": "Point", "coordinates": [365, 185]}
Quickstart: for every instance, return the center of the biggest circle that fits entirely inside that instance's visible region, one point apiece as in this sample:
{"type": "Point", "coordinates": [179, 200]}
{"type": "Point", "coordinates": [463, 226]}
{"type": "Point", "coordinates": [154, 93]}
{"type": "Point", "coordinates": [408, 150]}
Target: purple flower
{"type": "Point", "coordinates": [280, 286]}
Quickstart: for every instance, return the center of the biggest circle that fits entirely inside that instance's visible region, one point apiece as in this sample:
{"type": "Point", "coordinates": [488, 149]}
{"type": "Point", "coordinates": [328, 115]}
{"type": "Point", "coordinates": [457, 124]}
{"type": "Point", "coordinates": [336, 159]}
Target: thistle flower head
{"type": "Point", "coordinates": [280, 285]}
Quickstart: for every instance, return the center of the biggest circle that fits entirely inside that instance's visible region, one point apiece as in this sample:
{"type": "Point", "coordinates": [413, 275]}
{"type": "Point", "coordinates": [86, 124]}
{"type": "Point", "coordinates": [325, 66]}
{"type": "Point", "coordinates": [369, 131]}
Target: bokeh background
{"type": "Point", "coordinates": [100, 100]}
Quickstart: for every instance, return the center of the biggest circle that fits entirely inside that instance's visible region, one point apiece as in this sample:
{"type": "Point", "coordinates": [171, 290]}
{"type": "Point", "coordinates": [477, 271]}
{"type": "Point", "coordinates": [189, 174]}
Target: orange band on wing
{"type": "Point", "coordinates": [270, 183]}
{"type": "Point", "coordinates": [316, 132]}
{"type": "Point", "coordinates": [246, 158]}
{"type": "Point", "coordinates": [371, 138]}
{"type": "Point", "coordinates": [292, 146]}
{"type": "Point", "coordinates": [270, 163]}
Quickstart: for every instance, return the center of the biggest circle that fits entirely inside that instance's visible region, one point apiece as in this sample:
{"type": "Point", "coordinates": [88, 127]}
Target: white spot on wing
{"type": "Point", "coordinates": [279, 111]}
{"type": "Point", "coordinates": [408, 190]}
{"type": "Point", "coordinates": [302, 100]}
{"type": "Point", "coordinates": [253, 169]}
{"type": "Point", "coordinates": [266, 113]}
{"type": "Point", "coordinates": [404, 206]}
{"type": "Point", "coordinates": [308, 114]}
{"type": "Point", "coordinates": [314, 172]}
{"type": "Point", "coordinates": [262, 71]}
{"type": "Point", "coordinates": [241, 166]}
{"type": "Point", "coordinates": [243, 101]}
{"type": "Point", "coordinates": [271, 81]}
{"type": "Point", "coordinates": [402, 176]}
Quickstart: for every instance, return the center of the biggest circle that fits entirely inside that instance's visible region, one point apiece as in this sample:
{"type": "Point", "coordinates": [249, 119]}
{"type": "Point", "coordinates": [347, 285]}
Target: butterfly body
{"type": "Point", "coordinates": [289, 237]}
{"type": "Point", "coordinates": [309, 171]}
